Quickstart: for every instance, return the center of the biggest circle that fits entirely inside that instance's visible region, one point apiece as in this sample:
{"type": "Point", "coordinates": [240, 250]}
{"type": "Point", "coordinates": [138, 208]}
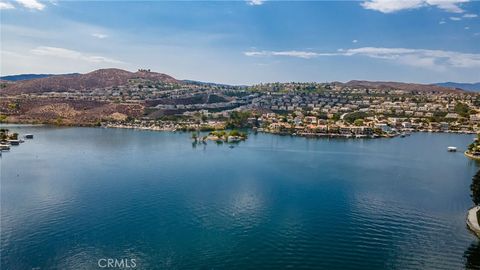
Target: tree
{"type": "Point", "coordinates": [13, 106]}
{"type": "Point", "coordinates": [3, 134]}
{"type": "Point", "coordinates": [475, 188]}
{"type": "Point", "coordinates": [358, 122]}
{"type": "Point", "coordinates": [462, 109]}
{"type": "Point", "coordinates": [238, 119]}
{"type": "Point", "coordinates": [351, 117]}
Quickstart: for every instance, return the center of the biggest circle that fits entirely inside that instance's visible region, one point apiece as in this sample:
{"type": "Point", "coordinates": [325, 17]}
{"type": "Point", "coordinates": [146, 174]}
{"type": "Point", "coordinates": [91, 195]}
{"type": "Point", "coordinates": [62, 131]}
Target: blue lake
{"type": "Point", "coordinates": [72, 196]}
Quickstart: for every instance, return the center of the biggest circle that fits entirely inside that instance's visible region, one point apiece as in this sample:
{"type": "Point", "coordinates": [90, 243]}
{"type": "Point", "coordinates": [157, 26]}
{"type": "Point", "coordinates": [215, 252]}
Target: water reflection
{"type": "Point", "coordinates": [472, 256]}
{"type": "Point", "coordinates": [73, 195]}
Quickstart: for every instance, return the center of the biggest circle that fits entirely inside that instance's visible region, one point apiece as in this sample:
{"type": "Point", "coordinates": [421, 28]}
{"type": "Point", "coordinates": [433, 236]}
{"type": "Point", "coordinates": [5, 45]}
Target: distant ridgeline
{"type": "Point", "coordinates": [474, 87]}
{"type": "Point", "coordinates": [23, 77]}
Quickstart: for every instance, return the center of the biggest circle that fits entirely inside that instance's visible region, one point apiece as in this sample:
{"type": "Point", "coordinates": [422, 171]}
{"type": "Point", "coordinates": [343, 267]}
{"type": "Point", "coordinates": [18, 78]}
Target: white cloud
{"type": "Point", "coordinates": [255, 2]}
{"type": "Point", "coordinates": [447, 5]}
{"type": "Point", "coordinates": [420, 57]}
{"type": "Point", "coordinates": [99, 35]}
{"type": "Point", "coordinates": [390, 6]}
{"type": "Point", "coordinates": [298, 54]}
{"type": "Point", "coordinates": [467, 27]}
{"type": "Point", "coordinates": [71, 54]}
{"type": "Point", "coordinates": [6, 5]}
{"type": "Point", "coordinates": [31, 4]}
{"type": "Point", "coordinates": [470, 15]}
{"type": "Point", "coordinates": [442, 22]}
{"type": "Point", "coordinates": [432, 59]}
{"type": "Point", "coordinates": [354, 41]}
{"type": "Point", "coordinates": [455, 18]}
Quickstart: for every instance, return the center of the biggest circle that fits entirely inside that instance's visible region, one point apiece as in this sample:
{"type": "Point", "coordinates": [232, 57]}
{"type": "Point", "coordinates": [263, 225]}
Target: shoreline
{"type": "Point", "coordinates": [471, 156]}
{"type": "Point", "coordinates": [307, 135]}
{"type": "Point", "coordinates": [472, 220]}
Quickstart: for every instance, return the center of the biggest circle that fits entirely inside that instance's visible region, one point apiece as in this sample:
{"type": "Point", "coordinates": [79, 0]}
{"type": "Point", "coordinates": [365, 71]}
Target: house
{"type": "Point", "coordinates": [384, 127]}
{"type": "Point", "coordinates": [475, 118]}
{"type": "Point", "coordinates": [452, 116]}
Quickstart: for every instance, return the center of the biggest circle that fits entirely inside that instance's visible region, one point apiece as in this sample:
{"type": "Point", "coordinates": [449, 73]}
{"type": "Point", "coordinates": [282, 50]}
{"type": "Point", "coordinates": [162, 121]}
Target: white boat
{"type": "Point", "coordinates": [4, 147]}
{"type": "Point", "coordinates": [452, 149]}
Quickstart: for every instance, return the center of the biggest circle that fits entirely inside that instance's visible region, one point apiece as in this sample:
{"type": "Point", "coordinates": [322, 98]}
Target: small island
{"type": "Point", "coordinates": [221, 136]}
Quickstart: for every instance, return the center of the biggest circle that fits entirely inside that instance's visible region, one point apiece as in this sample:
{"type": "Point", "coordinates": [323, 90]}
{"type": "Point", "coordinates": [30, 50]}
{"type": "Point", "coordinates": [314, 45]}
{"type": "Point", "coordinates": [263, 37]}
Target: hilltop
{"type": "Point", "coordinates": [83, 82]}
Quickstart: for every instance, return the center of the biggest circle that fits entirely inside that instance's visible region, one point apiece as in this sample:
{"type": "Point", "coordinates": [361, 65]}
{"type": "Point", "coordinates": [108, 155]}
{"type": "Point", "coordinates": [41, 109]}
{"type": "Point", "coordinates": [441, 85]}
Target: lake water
{"type": "Point", "coordinates": [72, 196]}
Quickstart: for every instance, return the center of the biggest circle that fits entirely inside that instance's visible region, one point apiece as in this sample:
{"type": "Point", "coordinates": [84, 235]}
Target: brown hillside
{"type": "Point", "coordinates": [83, 82]}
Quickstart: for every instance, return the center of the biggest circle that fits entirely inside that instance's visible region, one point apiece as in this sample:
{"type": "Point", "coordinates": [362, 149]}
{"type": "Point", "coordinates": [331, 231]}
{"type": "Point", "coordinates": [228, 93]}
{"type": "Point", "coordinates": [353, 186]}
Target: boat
{"type": "Point", "coordinates": [452, 149]}
{"type": "Point", "coordinates": [403, 135]}
{"type": "Point", "coordinates": [14, 142]}
{"type": "Point", "coordinates": [28, 136]}
{"type": "Point", "coordinates": [4, 147]}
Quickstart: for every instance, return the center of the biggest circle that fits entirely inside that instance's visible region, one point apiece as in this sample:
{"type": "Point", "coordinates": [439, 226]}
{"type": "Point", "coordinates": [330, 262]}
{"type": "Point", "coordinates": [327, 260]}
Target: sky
{"type": "Point", "coordinates": [247, 42]}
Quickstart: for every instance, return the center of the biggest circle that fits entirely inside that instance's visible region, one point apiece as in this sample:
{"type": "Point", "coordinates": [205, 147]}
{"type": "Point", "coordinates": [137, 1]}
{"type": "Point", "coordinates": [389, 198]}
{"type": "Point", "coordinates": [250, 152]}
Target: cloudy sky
{"type": "Point", "coordinates": [244, 42]}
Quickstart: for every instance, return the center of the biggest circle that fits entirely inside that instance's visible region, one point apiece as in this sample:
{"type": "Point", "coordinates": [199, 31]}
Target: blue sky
{"type": "Point", "coordinates": [245, 42]}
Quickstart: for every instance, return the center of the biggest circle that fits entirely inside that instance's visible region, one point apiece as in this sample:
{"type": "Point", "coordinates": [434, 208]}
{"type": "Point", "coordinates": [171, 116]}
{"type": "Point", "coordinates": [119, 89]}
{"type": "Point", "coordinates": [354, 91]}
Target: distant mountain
{"type": "Point", "coordinates": [412, 87]}
{"type": "Point", "coordinates": [23, 77]}
{"type": "Point", "coordinates": [474, 87]}
{"type": "Point", "coordinates": [203, 83]}
{"type": "Point", "coordinates": [83, 82]}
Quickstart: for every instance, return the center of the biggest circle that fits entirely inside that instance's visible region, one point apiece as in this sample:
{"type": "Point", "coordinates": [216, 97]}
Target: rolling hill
{"type": "Point", "coordinates": [82, 82]}
{"type": "Point", "coordinates": [473, 87]}
{"type": "Point", "coordinates": [411, 87]}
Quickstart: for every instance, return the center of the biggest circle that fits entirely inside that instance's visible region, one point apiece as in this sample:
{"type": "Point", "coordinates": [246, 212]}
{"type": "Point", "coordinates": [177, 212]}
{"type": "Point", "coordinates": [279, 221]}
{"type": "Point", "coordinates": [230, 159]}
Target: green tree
{"type": "Point", "coordinates": [13, 106]}
{"type": "Point", "coordinates": [234, 133]}
{"type": "Point", "coordinates": [358, 122]}
{"type": "Point", "coordinates": [351, 117]}
{"type": "Point", "coordinates": [462, 109]}
{"type": "Point", "coordinates": [3, 134]}
{"type": "Point", "coordinates": [475, 188]}
{"type": "Point", "coordinates": [238, 119]}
